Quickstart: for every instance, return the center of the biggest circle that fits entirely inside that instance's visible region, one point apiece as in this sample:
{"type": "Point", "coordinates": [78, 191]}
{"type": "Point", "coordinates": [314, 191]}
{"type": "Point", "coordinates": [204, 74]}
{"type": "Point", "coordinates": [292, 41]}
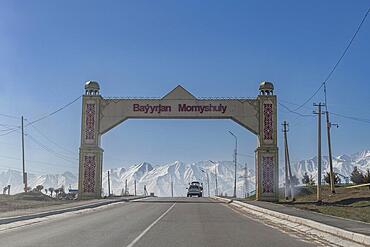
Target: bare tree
{"type": "Point", "coordinates": [56, 191]}
{"type": "Point", "coordinates": [60, 193]}
{"type": "Point", "coordinates": [39, 188]}
{"type": "Point", "coordinates": [306, 179]}
{"type": "Point", "coordinates": [357, 177]}
{"type": "Point", "coordinates": [51, 190]}
{"type": "Point", "coordinates": [367, 177]}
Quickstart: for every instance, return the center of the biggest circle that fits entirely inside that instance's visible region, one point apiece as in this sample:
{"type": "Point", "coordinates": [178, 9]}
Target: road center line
{"type": "Point", "coordinates": [149, 227]}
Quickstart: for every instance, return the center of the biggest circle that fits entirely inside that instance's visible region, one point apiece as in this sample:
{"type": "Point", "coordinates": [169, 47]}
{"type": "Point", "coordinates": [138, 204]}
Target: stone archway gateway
{"type": "Point", "coordinates": [258, 115]}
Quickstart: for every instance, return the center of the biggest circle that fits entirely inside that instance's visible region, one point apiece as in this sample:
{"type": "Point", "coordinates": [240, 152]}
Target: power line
{"type": "Point", "coordinates": [10, 131]}
{"type": "Point", "coordinates": [299, 115]}
{"type": "Point", "coordinates": [35, 161]}
{"type": "Point", "coordinates": [10, 125]}
{"type": "Point", "coordinates": [8, 116]}
{"type": "Point", "coordinates": [41, 118]}
{"type": "Point", "coordinates": [354, 118]}
{"type": "Point", "coordinates": [310, 98]}
{"type": "Point", "coordinates": [15, 146]}
{"type": "Point", "coordinates": [348, 46]}
{"type": "Point", "coordinates": [364, 120]}
{"type": "Point", "coordinates": [295, 112]}
{"type": "Point", "coordinates": [10, 128]}
{"type": "Point", "coordinates": [54, 112]}
{"type": "Point", "coordinates": [20, 170]}
{"type": "Point", "coordinates": [53, 142]}
{"type": "Point", "coordinates": [246, 155]}
{"type": "Point", "coordinates": [323, 84]}
{"type": "Point", "coordinates": [61, 156]}
{"type": "Point", "coordinates": [325, 98]}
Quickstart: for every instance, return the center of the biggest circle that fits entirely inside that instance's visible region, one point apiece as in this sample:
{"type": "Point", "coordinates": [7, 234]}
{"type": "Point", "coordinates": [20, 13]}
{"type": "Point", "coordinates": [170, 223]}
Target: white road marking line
{"type": "Point", "coordinates": [149, 227]}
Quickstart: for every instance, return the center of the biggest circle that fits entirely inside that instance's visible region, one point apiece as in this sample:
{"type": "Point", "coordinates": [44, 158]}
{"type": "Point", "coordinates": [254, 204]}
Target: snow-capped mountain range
{"type": "Point", "coordinates": [343, 165]}
{"type": "Point", "coordinates": [158, 178]}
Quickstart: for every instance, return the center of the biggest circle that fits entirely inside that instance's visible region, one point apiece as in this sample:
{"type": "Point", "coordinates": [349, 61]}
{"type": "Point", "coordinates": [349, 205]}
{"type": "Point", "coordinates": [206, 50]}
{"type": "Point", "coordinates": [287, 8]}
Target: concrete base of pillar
{"type": "Point", "coordinates": [267, 198]}
{"type": "Point", "coordinates": [88, 196]}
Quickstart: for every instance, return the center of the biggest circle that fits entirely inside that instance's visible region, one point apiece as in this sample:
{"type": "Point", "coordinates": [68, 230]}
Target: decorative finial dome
{"type": "Point", "coordinates": [92, 88]}
{"type": "Point", "coordinates": [266, 88]}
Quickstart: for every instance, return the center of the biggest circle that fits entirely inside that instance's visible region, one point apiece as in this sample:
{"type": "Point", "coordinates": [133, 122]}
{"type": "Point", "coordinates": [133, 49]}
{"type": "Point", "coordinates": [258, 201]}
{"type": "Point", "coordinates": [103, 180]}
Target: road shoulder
{"type": "Point", "coordinates": [332, 234]}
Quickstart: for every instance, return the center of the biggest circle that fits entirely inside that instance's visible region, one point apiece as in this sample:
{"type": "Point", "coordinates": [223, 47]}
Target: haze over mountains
{"type": "Point", "coordinates": [158, 178]}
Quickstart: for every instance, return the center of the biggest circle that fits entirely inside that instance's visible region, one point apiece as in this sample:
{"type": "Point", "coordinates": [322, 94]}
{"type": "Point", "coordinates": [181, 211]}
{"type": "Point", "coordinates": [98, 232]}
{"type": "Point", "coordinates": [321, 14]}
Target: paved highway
{"type": "Point", "coordinates": [172, 222]}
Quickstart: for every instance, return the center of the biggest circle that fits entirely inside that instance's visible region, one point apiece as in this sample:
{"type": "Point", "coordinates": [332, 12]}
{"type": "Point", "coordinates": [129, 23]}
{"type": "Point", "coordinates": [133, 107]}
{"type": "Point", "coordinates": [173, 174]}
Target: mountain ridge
{"type": "Point", "coordinates": [158, 178]}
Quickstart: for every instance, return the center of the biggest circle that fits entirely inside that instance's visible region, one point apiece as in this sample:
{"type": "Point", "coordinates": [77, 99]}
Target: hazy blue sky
{"type": "Point", "coordinates": [48, 49]}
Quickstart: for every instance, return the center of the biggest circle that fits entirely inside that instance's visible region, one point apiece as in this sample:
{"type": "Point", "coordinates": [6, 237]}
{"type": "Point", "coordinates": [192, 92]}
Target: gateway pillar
{"type": "Point", "coordinates": [91, 155]}
{"type": "Point", "coordinates": [267, 162]}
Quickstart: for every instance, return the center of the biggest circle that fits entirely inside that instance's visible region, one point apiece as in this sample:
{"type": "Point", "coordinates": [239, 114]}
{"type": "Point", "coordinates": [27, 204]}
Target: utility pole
{"type": "Point", "coordinates": [319, 113]}
{"type": "Point", "coordinates": [208, 184]}
{"type": "Point", "coordinates": [126, 188]}
{"type": "Point", "coordinates": [207, 180]}
{"type": "Point", "coordinates": [332, 176]}
{"type": "Point", "coordinates": [216, 190]}
{"type": "Point", "coordinates": [135, 187]}
{"type": "Point", "coordinates": [145, 191]}
{"type": "Point", "coordinates": [171, 187]}
{"type": "Point", "coordinates": [23, 161]}
{"type": "Point", "coordinates": [246, 195]}
{"type": "Point", "coordinates": [290, 175]}
{"type": "Point", "coordinates": [108, 184]}
{"type": "Point", "coordinates": [288, 170]}
{"type": "Point", "coordinates": [287, 160]}
{"type": "Point", "coordinates": [235, 161]}
{"type": "Point", "coordinates": [287, 182]}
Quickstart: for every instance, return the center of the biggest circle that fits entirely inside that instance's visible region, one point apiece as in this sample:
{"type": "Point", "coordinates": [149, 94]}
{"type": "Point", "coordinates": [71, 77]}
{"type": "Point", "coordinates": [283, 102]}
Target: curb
{"type": "Point", "coordinates": [352, 236]}
{"type": "Point", "coordinates": [64, 210]}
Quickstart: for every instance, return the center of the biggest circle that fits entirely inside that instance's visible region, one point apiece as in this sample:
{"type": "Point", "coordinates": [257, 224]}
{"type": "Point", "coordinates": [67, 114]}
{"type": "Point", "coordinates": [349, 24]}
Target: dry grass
{"type": "Point", "coordinates": [351, 203]}
{"type": "Point", "coordinates": [27, 201]}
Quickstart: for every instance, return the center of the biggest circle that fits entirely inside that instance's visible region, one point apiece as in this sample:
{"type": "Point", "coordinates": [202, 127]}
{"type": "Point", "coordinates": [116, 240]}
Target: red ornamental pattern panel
{"type": "Point", "coordinates": [90, 122]}
{"type": "Point", "coordinates": [267, 122]}
{"type": "Point", "coordinates": [89, 174]}
{"type": "Point", "coordinates": [268, 175]}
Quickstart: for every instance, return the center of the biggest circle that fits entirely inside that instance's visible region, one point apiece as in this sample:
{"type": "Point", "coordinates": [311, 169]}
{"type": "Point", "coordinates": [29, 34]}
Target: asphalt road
{"type": "Point", "coordinates": [172, 222]}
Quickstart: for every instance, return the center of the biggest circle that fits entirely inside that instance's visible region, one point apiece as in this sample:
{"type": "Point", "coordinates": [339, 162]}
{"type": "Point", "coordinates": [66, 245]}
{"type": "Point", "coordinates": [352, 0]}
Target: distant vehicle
{"type": "Point", "coordinates": [195, 183]}
{"type": "Point", "coordinates": [195, 189]}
